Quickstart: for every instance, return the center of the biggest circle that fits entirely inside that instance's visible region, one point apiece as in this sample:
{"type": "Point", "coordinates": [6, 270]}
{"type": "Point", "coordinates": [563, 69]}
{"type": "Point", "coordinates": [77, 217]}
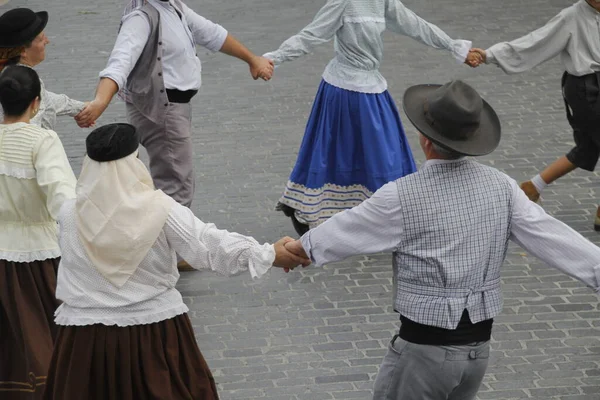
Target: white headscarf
{"type": "Point", "coordinates": [119, 215]}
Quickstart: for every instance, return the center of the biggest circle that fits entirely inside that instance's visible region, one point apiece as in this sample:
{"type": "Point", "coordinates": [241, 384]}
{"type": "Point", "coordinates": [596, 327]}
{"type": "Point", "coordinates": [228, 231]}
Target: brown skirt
{"type": "Point", "coordinates": [154, 361]}
{"type": "Point", "coordinates": [27, 330]}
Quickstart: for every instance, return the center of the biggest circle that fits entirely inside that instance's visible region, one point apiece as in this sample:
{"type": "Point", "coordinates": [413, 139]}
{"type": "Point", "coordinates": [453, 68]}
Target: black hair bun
{"type": "Point", "coordinates": [10, 87]}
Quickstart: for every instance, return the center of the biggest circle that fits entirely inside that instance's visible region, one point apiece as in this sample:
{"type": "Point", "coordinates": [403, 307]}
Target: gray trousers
{"type": "Point", "coordinates": [169, 147]}
{"type": "Point", "coordinates": [421, 372]}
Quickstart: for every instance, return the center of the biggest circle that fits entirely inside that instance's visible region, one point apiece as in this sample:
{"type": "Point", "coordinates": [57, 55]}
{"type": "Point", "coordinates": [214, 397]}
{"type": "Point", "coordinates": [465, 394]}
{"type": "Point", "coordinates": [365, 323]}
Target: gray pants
{"type": "Point", "coordinates": [421, 372]}
{"type": "Point", "coordinates": [169, 147]}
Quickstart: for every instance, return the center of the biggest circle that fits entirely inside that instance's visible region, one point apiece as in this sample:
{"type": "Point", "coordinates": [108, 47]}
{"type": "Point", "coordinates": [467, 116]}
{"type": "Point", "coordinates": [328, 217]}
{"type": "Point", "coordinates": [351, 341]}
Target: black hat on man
{"type": "Point", "coordinates": [112, 142]}
{"type": "Point", "coordinates": [454, 117]}
{"type": "Point", "coordinates": [20, 26]}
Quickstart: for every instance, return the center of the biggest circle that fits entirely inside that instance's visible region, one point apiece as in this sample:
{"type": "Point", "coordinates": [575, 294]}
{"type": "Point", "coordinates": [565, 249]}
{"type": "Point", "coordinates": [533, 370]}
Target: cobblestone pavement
{"type": "Point", "coordinates": [321, 333]}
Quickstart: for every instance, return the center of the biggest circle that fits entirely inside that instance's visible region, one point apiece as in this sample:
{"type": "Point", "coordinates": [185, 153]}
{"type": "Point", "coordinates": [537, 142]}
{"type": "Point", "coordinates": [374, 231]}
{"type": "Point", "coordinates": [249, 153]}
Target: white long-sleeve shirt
{"type": "Point", "coordinates": [149, 295]}
{"type": "Point", "coordinates": [574, 34]}
{"type": "Point", "coordinates": [376, 226]}
{"type": "Point", "coordinates": [35, 180]}
{"type": "Point", "coordinates": [357, 26]}
{"type": "Point", "coordinates": [52, 105]}
{"type": "Point", "coordinates": [182, 30]}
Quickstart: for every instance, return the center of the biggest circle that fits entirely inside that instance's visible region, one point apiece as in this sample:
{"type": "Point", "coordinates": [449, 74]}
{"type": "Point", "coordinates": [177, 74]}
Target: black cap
{"type": "Point", "coordinates": [112, 142]}
{"type": "Point", "coordinates": [20, 26]}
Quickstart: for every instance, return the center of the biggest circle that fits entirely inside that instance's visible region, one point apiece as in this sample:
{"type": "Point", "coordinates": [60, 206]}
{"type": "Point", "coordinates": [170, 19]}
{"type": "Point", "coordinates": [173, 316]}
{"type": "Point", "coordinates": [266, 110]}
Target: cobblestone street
{"type": "Point", "coordinates": [321, 333]}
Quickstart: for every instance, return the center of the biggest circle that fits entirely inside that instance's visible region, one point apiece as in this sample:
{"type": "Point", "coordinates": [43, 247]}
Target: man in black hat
{"type": "Point", "coordinates": [448, 226]}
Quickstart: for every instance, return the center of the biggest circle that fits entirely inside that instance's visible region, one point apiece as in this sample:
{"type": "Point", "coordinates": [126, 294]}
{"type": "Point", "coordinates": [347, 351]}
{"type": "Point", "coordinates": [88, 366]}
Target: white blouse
{"type": "Point", "coordinates": [180, 35]}
{"type": "Point", "coordinates": [35, 180]}
{"type": "Point", "coordinates": [574, 34]}
{"type": "Point", "coordinates": [357, 26]}
{"type": "Point", "coordinates": [51, 106]}
{"type": "Point", "coordinates": [149, 295]}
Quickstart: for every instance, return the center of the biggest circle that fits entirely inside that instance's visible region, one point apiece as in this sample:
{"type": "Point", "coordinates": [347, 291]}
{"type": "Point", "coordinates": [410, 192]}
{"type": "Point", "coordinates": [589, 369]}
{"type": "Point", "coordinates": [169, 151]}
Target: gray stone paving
{"type": "Point", "coordinates": [321, 333]}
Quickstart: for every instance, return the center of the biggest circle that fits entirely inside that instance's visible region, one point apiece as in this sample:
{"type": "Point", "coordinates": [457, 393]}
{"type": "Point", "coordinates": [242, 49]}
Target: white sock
{"type": "Point", "coordinates": [539, 183]}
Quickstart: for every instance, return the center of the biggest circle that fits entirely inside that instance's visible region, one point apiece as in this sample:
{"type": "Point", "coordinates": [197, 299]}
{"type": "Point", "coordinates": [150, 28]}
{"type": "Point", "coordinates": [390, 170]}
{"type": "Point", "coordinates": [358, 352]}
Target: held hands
{"type": "Point", "coordinates": [261, 67]}
{"type": "Point", "coordinates": [475, 57]}
{"type": "Point", "coordinates": [289, 254]}
{"type": "Point", "coordinates": [92, 111]}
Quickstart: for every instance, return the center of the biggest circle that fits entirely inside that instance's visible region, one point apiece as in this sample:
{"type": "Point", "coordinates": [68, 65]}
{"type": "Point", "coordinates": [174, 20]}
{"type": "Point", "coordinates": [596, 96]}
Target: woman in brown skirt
{"type": "Point", "coordinates": [35, 180]}
{"type": "Point", "coordinates": [124, 333]}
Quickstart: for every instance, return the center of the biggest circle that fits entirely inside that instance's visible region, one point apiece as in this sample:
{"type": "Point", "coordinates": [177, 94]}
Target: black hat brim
{"type": "Point", "coordinates": [484, 140]}
{"type": "Point", "coordinates": [29, 34]}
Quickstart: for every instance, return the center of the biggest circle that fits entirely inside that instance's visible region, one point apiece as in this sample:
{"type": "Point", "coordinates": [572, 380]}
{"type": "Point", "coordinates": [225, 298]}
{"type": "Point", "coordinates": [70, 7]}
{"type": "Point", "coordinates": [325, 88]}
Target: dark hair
{"type": "Point", "coordinates": [17, 59]}
{"type": "Point", "coordinates": [19, 86]}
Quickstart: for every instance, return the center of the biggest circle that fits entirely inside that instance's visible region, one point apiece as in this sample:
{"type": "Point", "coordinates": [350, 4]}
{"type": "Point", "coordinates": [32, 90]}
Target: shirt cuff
{"type": "Point", "coordinates": [261, 261]}
{"type": "Point", "coordinates": [305, 240]}
{"type": "Point", "coordinates": [460, 49]}
{"type": "Point", "coordinates": [489, 56]}
{"type": "Point", "coordinates": [273, 55]}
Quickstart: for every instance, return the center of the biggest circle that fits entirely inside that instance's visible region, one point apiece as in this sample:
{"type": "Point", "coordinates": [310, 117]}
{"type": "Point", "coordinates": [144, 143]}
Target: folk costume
{"type": "Point", "coordinates": [155, 66]}
{"type": "Point", "coordinates": [354, 141]}
{"type": "Point", "coordinates": [448, 225]}
{"type": "Point", "coordinates": [35, 180]}
{"type": "Point", "coordinates": [122, 320]}
{"type": "Point", "coordinates": [17, 28]}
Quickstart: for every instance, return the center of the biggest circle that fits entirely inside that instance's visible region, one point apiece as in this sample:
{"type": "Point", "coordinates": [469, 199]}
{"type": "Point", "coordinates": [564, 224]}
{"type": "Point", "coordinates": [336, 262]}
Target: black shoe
{"type": "Point", "coordinates": [288, 211]}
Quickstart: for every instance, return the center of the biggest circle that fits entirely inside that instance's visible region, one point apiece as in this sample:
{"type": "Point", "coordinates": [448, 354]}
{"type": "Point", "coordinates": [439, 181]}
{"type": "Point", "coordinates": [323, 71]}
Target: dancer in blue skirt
{"type": "Point", "coordinates": [354, 141]}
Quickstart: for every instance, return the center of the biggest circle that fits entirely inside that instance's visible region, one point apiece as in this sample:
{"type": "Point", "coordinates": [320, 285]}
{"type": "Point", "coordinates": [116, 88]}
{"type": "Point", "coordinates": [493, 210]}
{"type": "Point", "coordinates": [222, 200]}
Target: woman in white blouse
{"type": "Point", "coordinates": [574, 34]}
{"type": "Point", "coordinates": [35, 180]}
{"type": "Point", "coordinates": [23, 42]}
{"type": "Point", "coordinates": [124, 333]}
{"type": "Point", "coordinates": [354, 141]}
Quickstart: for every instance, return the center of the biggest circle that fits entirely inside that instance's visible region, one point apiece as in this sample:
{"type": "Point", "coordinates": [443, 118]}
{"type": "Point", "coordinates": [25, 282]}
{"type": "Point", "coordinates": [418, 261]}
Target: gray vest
{"type": "Point", "coordinates": [456, 221]}
{"type": "Point", "coordinates": [145, 84]}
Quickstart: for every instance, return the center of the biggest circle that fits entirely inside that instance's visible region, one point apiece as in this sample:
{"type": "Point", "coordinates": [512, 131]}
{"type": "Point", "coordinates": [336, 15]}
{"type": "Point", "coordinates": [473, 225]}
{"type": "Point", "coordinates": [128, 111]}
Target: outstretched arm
{"type": "Point", "coordinates": [531, 50]}
{"type": "Point", "coordinates": [553, 242]}
{"type": "Point", "coordinates": [204, 246]}
{"type": "Point", "coordinates": [260, 67]}
{"type": "Point", "coordinates": [401, 20]}
{"type": "Point", "coordinates": [374, 226]}
{"type": "Point", "coordinates": [321, 30]}
{"type": "Point", "coordinates": [128, 48]}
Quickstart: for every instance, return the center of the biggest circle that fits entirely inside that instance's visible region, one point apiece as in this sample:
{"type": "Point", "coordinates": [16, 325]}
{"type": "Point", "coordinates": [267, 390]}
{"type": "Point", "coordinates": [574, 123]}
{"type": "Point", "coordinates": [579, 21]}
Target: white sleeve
{"type": "Point", "coordinates": [53, 173]}
{"type": "Point", "coordinates": [553, 242]}
{"type": "Point", "coordinates": [532, 49]}
{"type": "Point", "coordinates": [204, 246]}
{"type": "Point", "coordinates": [206, 33]}
{"type": "Point", "coordinates": [321, 30]}
{"type": "Point", "coordinates": [401, 20]}
{"type": "Point", "coordinates": [374, 226]}
{"type": "Point", "coordinates": [129, 46]}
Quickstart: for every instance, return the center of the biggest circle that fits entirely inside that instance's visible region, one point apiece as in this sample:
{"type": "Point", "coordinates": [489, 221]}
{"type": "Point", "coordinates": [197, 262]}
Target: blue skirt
{"type": "Point", "coordinates": [354, 143]}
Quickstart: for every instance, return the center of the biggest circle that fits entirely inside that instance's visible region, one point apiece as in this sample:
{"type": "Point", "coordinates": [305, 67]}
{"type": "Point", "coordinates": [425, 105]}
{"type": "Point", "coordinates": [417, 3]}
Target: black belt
{"type": "Point", "coordinates": [466, 332]}
{"type": "Point", "coordinates": [178, 96]}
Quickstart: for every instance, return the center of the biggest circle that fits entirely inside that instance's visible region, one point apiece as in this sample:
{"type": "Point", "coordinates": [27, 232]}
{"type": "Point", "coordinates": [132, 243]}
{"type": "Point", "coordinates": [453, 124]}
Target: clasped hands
{"type": "Point", "coordinates": [476, 57]}
{"type": "Point", "coordinates": [289, 254]}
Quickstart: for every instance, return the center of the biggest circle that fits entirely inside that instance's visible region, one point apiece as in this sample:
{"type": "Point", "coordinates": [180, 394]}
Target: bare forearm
{"type": "Point", "coordinates": [107, 88]}
{"type": "Point", "coordinates": [234, 48]}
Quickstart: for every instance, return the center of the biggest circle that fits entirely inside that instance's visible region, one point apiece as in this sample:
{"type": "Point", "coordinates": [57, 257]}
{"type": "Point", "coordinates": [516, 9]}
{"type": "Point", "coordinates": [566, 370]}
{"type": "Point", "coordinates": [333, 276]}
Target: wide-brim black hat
{"type": "Point", "coordinates": [453, 116]}
{"type": "Point", "coordinates": [20, 26]}
{"type": "Point", "coordinates": [112, 142]}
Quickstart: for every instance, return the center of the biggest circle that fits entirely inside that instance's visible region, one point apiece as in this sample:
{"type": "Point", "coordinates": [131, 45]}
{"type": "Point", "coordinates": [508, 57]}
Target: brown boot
{"type": "Point", "coordinates": [183, 266]}
{"type": "Point", "coordinates": [530, 191]}
{"type": "Point", "coordinates": [597, 221]}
